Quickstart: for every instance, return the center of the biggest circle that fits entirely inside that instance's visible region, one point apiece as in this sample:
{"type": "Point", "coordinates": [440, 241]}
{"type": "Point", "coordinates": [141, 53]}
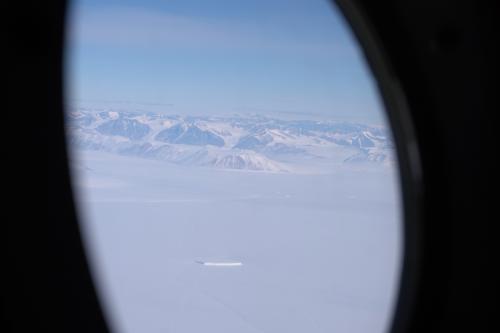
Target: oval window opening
{"type": "Point", "coordinates": [233, 166]}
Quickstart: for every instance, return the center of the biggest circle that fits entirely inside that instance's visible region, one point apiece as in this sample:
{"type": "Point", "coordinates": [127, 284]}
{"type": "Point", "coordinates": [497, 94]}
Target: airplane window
{"type": "Point", "coordinates": [233, 166]}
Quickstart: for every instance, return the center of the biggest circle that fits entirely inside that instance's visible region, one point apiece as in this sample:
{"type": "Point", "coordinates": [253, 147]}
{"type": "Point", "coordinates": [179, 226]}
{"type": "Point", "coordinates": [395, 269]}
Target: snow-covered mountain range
{"type": "Point", "coordinates": [232, 142]}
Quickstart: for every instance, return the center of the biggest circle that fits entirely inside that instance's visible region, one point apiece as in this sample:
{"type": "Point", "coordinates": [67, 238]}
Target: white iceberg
{"type": "Point", "coordinates": [219, 263]}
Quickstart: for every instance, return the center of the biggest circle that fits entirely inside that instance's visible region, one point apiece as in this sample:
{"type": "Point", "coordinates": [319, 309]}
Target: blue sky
{"type": "Point", "coordinates": [276, 57]}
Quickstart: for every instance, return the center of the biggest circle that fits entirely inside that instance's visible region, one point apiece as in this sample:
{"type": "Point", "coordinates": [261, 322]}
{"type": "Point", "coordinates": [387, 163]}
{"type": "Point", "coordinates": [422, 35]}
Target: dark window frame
{"type": "Point", "coordinates": [413, 46]}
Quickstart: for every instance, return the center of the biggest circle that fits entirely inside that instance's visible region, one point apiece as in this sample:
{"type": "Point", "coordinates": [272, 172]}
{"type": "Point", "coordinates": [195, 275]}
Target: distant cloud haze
{"type": "Point", "coordinates": [137, 27]}
{"type": "Point", "coordinates": [215, 57]}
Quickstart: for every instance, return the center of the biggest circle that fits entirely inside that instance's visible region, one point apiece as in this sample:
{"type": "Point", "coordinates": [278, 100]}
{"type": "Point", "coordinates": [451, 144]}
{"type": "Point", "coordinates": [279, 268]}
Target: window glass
{"type": "Point", "coordinates": [233, 167]}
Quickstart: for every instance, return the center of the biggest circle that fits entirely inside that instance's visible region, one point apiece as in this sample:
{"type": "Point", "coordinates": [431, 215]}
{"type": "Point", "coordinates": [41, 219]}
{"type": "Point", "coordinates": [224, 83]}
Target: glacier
{"type": "Point", "coordinates": [288, 226]}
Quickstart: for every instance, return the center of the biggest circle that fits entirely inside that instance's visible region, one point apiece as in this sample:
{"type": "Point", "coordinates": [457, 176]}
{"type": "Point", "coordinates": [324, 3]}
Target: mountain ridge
{"type": "Point", "coordinates": [231, 142]}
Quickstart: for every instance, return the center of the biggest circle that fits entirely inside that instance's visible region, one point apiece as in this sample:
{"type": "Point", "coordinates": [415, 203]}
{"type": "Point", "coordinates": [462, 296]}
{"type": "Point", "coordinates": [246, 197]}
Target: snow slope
{"type": "Point", "coordinates": [177, 248]}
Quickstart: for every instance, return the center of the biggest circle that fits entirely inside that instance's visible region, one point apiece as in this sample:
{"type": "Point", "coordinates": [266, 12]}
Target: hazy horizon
{"type": "Point", "coordinates": [287, 57]}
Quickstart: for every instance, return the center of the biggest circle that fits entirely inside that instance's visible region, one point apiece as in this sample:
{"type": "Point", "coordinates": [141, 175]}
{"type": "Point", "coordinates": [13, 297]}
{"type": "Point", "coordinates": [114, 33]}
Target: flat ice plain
{"type": "Point", "coordinates": [319, 252]}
